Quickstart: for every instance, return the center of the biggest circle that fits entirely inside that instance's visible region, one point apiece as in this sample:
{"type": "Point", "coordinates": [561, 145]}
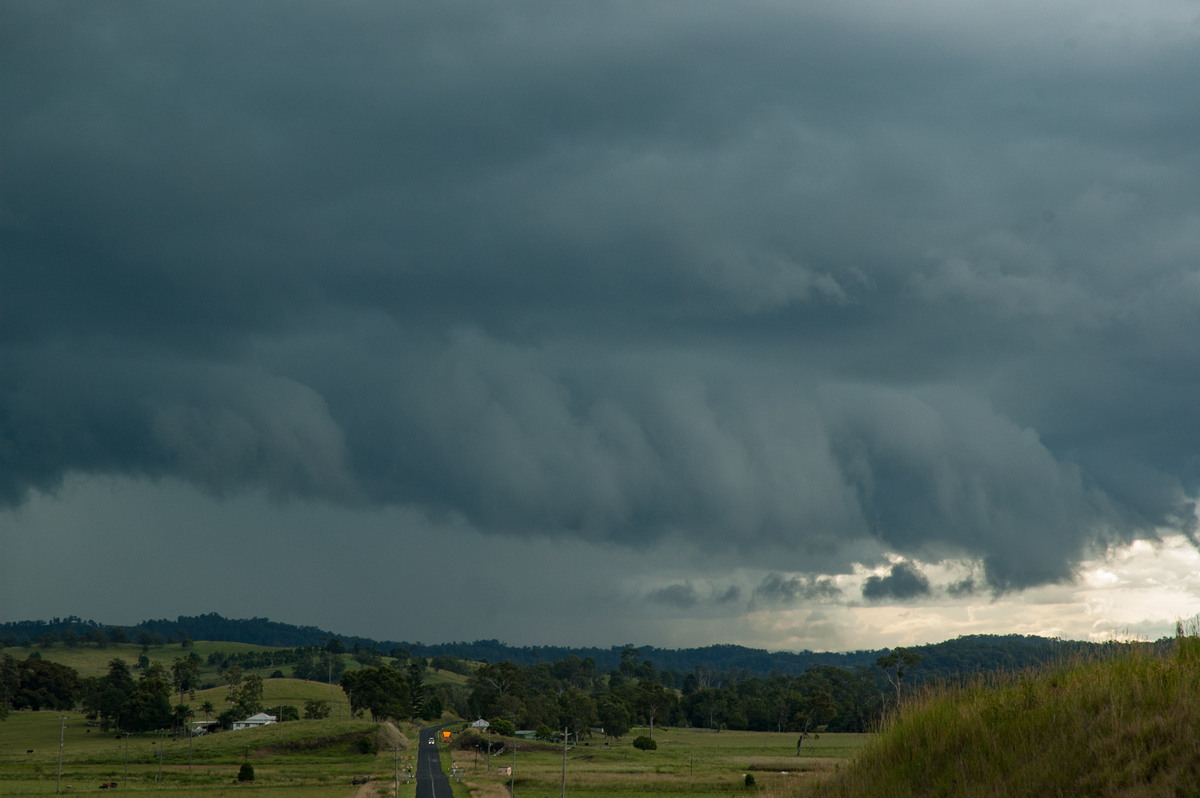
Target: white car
{"type": "Point", "coordinates": [431, 741]}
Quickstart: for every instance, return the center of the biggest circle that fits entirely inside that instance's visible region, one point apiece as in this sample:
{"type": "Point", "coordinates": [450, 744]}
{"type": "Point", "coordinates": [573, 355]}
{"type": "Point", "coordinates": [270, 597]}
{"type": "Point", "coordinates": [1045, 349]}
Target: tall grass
{"type": "Point", "coordinates": [1121, 725]}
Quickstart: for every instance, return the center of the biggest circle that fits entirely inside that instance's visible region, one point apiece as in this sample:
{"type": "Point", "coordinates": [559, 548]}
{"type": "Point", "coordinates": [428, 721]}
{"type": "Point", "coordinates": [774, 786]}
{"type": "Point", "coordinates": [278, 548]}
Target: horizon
{"type": "Point", "coordinates": [643, 646]}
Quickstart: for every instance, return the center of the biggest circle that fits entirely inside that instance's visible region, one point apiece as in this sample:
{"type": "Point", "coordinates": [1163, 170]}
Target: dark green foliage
{"type": "Point", "coordinates": [287, 712]}
{"type": "Point", "coordinates": [148, 708]}
{"type": "Point", "coordinates": [503, 727]}
{"type": "Point", "coordinates": [366, 745]}
{"type": "Point", "coordinates": [246, 772]}
{"type": "Point", "coordinates": [613, 716]}
{"type": "Point", "coordinates": [246, 696]}
{"type": "Point", "coordinates": [384, 692]}
{"type": "Point", "coordinates": [316, 709]}
{"type": "Point", "coordinates": [749, 779]}
{"type": "Point", "coordinates": [644, 743]}
{"type": "Point", "coordinates": [449, 662]}
{"type": "Point", "coordinates": [42, 684]}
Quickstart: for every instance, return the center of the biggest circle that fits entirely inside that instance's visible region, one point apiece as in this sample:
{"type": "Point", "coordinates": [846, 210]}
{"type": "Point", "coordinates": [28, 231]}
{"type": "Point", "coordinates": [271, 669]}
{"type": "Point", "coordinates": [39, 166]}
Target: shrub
{"type": "Point", "coordinates": [749, 779]}
{"type": "Point", "coordinates": [246, 772]}
{"type": "Point", "coordinates": [644, 743]}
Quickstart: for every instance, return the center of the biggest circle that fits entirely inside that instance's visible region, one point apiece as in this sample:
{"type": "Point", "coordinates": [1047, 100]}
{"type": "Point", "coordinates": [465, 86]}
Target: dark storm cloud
{"type": "Point", "coordinates": [681, 595]}
{"type": "Point", "coordinates": [776, 589]}
{"type": "Point", "coordinates": [790, 281]}
{"type": "Point", "coordinates": [903, 581]}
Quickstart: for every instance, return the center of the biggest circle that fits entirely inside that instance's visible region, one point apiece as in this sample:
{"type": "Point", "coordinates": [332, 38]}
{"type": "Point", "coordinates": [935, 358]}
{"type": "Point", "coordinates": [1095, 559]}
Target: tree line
{"type": "Point", "coordinates": [574, 695]}
{"type": "Point", "coordinates": [946, 660]}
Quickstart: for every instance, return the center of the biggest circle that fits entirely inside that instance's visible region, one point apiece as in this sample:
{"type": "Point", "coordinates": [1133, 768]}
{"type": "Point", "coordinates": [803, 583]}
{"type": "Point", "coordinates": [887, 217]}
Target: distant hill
{"type": "Point", "coordinates": [946, 660]}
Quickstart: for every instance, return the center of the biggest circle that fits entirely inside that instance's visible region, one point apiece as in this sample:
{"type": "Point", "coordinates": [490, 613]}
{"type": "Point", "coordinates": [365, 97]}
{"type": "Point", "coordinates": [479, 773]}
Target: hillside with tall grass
{"type": "Point", "coordinates": [1126, 725]}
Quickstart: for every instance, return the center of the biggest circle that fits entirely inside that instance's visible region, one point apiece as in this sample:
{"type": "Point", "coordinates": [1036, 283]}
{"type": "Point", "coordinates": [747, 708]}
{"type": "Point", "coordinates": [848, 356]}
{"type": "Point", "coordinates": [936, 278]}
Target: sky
{"type": "Point", "coordinates": [797, 325]}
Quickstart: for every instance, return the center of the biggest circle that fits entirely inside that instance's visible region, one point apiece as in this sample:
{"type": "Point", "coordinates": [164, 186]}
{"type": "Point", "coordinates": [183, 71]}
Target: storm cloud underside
{"type": "Point", "coordinates": [797, 285]}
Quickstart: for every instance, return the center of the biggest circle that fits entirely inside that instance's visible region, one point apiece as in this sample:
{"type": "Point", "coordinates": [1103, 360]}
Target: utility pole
{"type": "Point", "coordinates": [512, 774]}
{"type": "Point", "coordinates": [396, 769]}
{"type": "Point", "coordinates": [126, 782]}
{"type": "Point", "coordinates": [564, 773]}
{"type": "Point", "coordinates": [162, 743]}
{"type": "Point", "coordinates": [62, 731]}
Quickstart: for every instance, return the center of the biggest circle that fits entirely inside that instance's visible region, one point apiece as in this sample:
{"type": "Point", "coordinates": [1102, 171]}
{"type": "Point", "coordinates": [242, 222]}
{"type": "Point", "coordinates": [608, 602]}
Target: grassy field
{"type": "Point", "coordinates": [319, 759]}
{"type": "Point", "coordinates": [306, 758]}
{"type": "Point", "coordinates": [688, 762]}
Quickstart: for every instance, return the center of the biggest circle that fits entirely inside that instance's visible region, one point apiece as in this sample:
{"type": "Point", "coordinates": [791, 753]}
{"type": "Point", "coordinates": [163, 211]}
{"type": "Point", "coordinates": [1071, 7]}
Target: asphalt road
{"type": "Point", "coordinates": [431, 779]}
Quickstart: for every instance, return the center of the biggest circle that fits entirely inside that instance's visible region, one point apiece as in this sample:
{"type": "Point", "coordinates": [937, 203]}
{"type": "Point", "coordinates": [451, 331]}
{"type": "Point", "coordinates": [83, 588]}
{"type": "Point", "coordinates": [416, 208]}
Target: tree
{"type": "Point", "coordinates": [577, 711]}
{"type": "Point", "coordinates": [316, 709]}
{"type": "Point", "coordinates": [9, 681]}
{"type": "Point", "coordinates": [416, 686]}
{"type": "Point", "coordinates": [208, 708]}
{"type": "Point", "coordinates": [613, 716]}
{"type": "Point", "coordinates": [382, 691]}
{"type": "Point", "coordinates": [653, 698]}
{"type": "Point", "coordinates": [185, 674]}
{"type": "Point", "coordinates": [644, 743]}
{"type": "Point", "coordinates": [45, 685]}
{"type": "Point", "coordinates": [233, 674]}
{"type": "Point", "coordinates": [895, 665]}
{"type": "Point", "coordinates": [182, 714]}
{"type": "Point", "coordinates": [246, 697]}
{"type": "Point", "coordinates": [503, 727]}
{"type": "Point", "coordinates": [148, 707]}
{"type": "Point", "coordinates": [816, 709]}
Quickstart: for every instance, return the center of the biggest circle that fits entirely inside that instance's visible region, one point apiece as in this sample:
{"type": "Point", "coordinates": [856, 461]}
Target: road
{"type": "Point", "coordinates": [431, 779]}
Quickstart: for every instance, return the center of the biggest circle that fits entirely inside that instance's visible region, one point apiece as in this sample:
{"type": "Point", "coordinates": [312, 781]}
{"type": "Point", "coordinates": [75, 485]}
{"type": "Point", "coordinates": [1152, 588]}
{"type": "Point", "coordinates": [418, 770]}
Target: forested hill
{"type": "Point", "coordinates": [949, 659]}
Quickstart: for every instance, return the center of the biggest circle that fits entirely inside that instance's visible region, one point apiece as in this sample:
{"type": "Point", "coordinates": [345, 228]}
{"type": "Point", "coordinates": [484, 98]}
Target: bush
{"type": "Point", "coordinates": [246, 773]}
{"type": "Point", "coordinates": [505, 728]}
{"type": "Point", "coordinates": [644, 743]}
{"type": "Point", "coordinates": [749, 779]}
{"type": "Point", "coordinates": [366, 745]}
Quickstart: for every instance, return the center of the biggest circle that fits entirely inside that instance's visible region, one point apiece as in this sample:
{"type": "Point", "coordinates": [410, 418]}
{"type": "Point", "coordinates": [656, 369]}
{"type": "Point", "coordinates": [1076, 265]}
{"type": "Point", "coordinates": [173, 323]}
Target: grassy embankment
{"type": "Point", "coordinates": [1123, 727]}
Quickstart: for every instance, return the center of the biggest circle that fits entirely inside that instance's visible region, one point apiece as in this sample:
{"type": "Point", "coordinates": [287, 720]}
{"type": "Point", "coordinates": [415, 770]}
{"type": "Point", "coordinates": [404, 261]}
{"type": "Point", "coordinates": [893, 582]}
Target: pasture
{"type": "Point", "coordinates": [688, 762]}
{"type": "Point", "coordinates": [319, 759]}
{"type": "Point", "coordinates": [312, 759]}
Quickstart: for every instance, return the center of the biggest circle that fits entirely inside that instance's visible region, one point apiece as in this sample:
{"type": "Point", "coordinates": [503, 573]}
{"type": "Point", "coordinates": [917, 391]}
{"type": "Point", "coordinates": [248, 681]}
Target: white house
{"type": "Point", "coordinates": [261, 719]}
{"type": "Point", "coordinates": [481, 724]}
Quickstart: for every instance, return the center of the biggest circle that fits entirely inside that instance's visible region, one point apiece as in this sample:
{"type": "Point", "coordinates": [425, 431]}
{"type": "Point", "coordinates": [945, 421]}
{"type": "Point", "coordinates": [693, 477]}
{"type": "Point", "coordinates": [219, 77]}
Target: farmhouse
{"type": "Point", "coordinates": [261, 719]}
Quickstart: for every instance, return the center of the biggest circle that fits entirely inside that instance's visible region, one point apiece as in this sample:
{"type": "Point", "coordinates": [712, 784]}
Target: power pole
{"type": "Point", "coordinates": [512, 774]}
{"type": "Point", "coordinates": [564, 769]}
{"type": "Point", "coordinates": [396, 769]}
{"type": "Point", "coordinates": [62, 731]}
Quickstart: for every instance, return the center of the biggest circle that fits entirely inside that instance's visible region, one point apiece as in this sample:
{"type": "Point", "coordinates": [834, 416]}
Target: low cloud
{"type": "Point", "coordinates": [681, 596]}
{"type": "Point", "coordinates": [902, 582]}
{"type": "Point", "coordinates": [777, 589]}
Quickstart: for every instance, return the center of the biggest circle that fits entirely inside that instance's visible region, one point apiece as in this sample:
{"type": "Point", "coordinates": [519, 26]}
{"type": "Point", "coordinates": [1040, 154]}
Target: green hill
{"type": "Point", "coordinates": [1121, 727]}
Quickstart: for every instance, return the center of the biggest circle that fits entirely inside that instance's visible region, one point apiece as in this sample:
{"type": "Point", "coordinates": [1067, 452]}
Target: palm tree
{"type": "Point", "coordinates": [207, 708]}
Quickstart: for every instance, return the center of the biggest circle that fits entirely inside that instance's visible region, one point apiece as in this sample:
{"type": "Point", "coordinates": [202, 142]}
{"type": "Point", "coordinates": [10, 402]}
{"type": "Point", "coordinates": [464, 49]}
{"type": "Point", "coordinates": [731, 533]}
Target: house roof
{"type": "Point", "coordinates": [261, 717]}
